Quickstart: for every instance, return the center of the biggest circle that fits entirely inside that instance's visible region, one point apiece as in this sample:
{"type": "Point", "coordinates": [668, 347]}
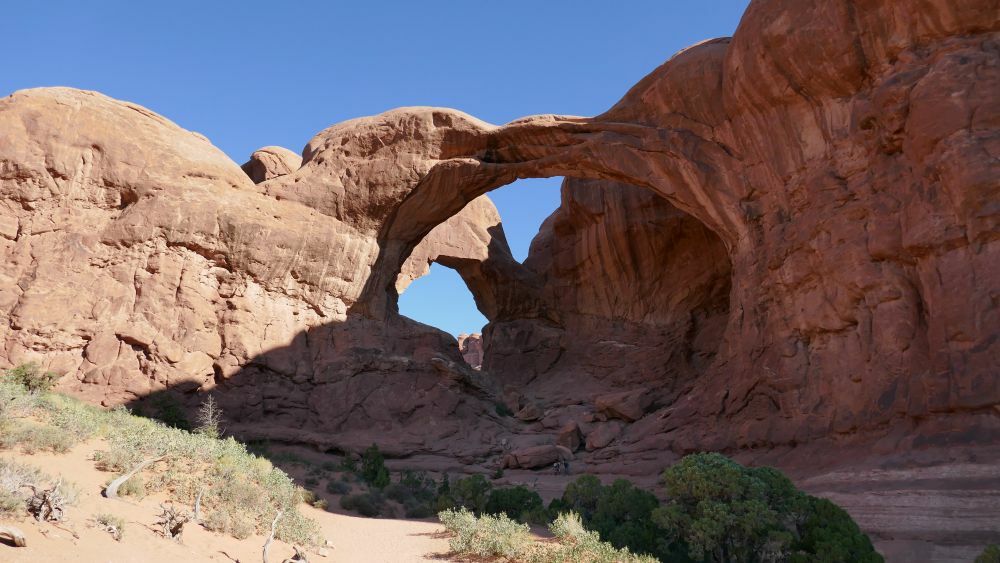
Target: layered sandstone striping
{"type": "Point", "coordinates": [782, 244]}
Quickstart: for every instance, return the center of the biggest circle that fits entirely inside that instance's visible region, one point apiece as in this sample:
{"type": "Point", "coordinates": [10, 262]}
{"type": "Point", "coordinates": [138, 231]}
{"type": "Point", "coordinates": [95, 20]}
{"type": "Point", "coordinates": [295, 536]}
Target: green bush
{"type": "Point", "coordinates": [989, 555]}
{"type": "Point", "coordinates": [470, 492]}
{"type": "Point", "coordinates": [168, 410]}
{"type": "Point", "coordinates": [519, 503]}
{"type": "Point", "coordinates": [373, 470]}
{"type": "Point", "coordinates": [31, 376]}
{"type": "Point", "coordinates": [370, 504]}
{"type": "Point", "coordinates": [719, 510]}
{"type": "Point", "coordinates": [576, 543]}
{"type": "Point", "coordinates": [620, 513]}
{"type": "Point", "coordinates": [349, 464]}
{"type": "Point", "coordinates": [580, 496]}
{"type": "Point", "coordinates": [337, 487]}
{"type": "Point", "coordinates": [623, 517]}
{"type": "Point", "coordinates": [416, 492]}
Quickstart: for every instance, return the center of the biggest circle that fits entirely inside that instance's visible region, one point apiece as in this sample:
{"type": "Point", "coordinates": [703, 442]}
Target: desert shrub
{"type": "Point", "coordinates": [337, 487]}
{"type": "Point", "coordinates": [470, 492]}
{"type": "Point", "coordinates": [519, 503]}
{"type": "Point", "coordinates": [134, 487]}
{"type": "Point", "coordinates": [416, 491]}
{"type": "Point", "coordinates": [989, 555]}
{"type": "Point", "coordinates": [168, 410]}
{"type": "Point", "coordinates": [719, 510]}
{"type": "Point", "coordinates": [502, 409]}
{"type": "Point", "coordinates": [320, 503]}
{"type": "Point", "coordinates": [373, 470]}
{"type": "Point", "coordinates": [620, 513]}
{"type": "Point", "coordinates": [485, 536]}
{"type": "Point", "coordinates": [307, 496]}
{"type": "Point", "coordinates": [116, 460]}
{"type": "Point", "coordinates": [112, 524]}
{"type": "Point", "coordinates": [232, 523]}
{"type": "Point", "coordinates": [412, 485]}
{"type": "Point", "coordinates": [577, 544]}
{"type": "Point", "coordinates": [349, 464]}
{"type": "Point", "coordinates": [15, 401]}
{"type": "Point", "coordinates": [80, 420]}
{"type": "Point", "coordinates": [311, 482]}
{"type": "Point", "coordinates": [623, 517]}
{"type": "Point", "coordinates": [491, 537]}
{"type": "Point", "coordinates": [15, 476]}
{"type": "Point", "coordinates": [580, 496]}
{"type": "Point", "coordinates": [33, 438]}
{"type": "Point", "coordinates": [829, 535]}
{"type": "Point", "coordinates": [415, 509]}
{"type": "Point", "coordinates": [32, 378]}
{"type": "Point", "coordinates": [208, 420]}
{"type": "Point", "coordinates": [242, 491]}
{"type": "Point", "coordinates": [370, 504]}
{"type": "Point", "coordinates": [10, 504]}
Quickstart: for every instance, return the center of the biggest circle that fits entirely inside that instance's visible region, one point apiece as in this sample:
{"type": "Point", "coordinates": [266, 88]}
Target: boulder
{"type": "Point", "coordinates": [535, 457]}
{"type": "Point", "coordinates": [569, 437]}
{"type": "Point", "coordinates": [270, 162]}
{"type": "Point", "coordinates": [603, 433]}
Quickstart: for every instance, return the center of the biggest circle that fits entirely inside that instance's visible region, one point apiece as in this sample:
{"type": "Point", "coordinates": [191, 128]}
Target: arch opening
{"type": "Point", "coordinates": [616, 276]}
{"type": "Point", "coordinates": [459, 274]}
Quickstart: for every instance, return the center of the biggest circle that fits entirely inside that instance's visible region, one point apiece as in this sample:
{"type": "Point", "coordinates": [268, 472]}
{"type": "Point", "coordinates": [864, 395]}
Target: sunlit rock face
{"type": "Point", "coordinates": [781, 245]}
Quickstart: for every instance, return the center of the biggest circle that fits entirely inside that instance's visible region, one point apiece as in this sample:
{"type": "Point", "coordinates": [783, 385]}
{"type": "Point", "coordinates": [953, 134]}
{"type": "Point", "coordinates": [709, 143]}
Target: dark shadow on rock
{"type": "Point", "coordinates": [340, 387]}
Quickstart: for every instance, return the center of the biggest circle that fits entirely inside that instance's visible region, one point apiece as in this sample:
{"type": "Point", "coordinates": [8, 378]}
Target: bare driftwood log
{"type": "Point", "coordinates": [197, 505]}
{"type": "Point", "coordinates": [10, 534]}
{"type": "Point", "coordinates": [172, 522]}
{"type": "Point", "coordinates": [112, 489]}
{"type": "Point", "coordinates": [270, 538]}
{"type": "Point", "coordinates": [46, 505]}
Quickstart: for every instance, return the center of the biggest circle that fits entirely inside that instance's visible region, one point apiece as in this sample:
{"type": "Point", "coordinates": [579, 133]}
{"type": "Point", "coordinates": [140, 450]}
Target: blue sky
{"type": "Point", "coordinates": [250, 74]}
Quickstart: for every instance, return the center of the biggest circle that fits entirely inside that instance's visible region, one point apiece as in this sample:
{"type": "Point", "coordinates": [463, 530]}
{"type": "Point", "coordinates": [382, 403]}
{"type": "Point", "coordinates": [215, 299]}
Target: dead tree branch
{"type": "Point", "coordinates": [112, 489]}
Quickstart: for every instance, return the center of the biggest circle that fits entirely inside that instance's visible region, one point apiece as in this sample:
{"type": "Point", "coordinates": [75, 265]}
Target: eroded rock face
{"type": "Point", "coordinates": [270, 162]}
{"type": "Point", "coordinates": [139, 260]}
{"type": "Point", "coordinates": [782, 244]}
{"type": "Point", "coordinates": [471, 346]}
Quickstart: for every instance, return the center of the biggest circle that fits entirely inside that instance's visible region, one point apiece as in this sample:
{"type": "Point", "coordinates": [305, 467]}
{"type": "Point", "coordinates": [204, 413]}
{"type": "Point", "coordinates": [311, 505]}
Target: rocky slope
{"type": "Point", "coordinates": [782, 245]}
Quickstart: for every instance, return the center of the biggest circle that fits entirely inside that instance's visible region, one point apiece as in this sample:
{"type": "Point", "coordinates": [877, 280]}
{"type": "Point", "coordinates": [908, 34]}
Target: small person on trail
{"type": "Point", "coordinates": [555, 468]}
{"type": "Point", "coordinates": [565, 467]}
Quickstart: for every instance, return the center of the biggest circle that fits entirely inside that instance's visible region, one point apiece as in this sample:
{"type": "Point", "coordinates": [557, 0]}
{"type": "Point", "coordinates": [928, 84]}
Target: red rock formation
{"type": "Point", "coordinates": [804, 270]}
{"type": "Point", "coordinates": [471, 346]}
{"type": "Point", "coordinates": [270, 162]}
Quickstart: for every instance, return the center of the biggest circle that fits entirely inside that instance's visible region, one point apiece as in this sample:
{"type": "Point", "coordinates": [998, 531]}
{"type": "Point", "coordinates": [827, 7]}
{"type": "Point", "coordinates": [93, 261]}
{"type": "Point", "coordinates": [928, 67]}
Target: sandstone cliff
{"type": "Point", "coordinates": [782, 245]}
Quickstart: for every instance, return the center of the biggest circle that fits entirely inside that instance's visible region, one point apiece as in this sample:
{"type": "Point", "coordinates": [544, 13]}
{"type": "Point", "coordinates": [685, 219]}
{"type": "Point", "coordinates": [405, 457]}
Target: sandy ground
{"type": "Point", "coordinates": [353, 538]}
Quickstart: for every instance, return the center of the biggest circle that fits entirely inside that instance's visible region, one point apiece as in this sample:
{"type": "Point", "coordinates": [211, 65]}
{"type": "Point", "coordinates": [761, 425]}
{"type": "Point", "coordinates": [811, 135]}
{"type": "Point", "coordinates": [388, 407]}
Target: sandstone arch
{"type": "Point", "coordinates": [849, 171]}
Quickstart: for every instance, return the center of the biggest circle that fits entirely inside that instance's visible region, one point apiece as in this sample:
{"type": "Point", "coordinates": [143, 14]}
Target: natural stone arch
{"type": "Point", "coordinates": [677, 165]}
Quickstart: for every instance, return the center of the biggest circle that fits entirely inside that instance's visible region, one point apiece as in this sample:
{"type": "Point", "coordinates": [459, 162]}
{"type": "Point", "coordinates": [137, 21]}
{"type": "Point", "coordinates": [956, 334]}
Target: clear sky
{"type": "Point", "coordinates": [249, 74]}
